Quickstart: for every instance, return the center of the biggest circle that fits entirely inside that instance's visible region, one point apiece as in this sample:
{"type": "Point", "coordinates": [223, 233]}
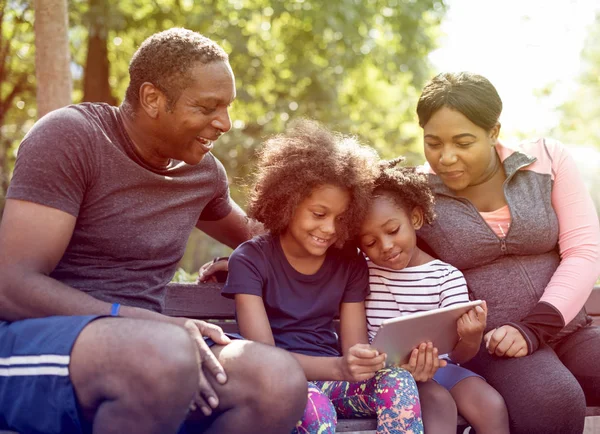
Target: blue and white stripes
{"type": "Point", "coordinates": [43, 364]}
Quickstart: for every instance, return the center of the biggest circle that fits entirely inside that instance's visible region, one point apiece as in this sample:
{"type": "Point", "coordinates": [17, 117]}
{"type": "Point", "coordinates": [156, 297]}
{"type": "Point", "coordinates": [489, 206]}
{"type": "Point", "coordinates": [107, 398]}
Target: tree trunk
{"type": "Point", "coordinates": [96, 87]}
{"type": "Point", "coordinates": [52, 58]}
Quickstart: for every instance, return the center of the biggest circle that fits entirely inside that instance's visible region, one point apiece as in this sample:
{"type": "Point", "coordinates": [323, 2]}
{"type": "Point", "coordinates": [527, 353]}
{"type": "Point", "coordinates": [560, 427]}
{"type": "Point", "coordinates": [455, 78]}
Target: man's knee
{"type": "Point", "coordinates": [132, 359]}
{"type": "Point", "coordinates": [265, 377]}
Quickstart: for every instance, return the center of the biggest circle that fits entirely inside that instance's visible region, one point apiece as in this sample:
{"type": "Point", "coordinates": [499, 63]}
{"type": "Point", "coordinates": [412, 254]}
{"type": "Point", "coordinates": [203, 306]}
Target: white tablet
{"type": "Point", "coordinates": [399, 336]}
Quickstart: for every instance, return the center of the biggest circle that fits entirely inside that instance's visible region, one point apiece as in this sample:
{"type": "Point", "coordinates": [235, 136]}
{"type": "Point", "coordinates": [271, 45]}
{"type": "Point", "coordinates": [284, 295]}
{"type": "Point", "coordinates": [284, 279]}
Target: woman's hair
{"type": "Point", "coordinates": [291, 165]}
{"type": "Point", "coordinates": [471, 94]}
{"type": "Point", "coordinates": [407, 187]}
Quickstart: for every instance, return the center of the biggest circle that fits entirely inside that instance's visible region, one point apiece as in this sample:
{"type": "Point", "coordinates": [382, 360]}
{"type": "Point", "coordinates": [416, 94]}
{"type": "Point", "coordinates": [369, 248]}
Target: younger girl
{"type": "Point", "coordinates": [404, 279]}
{"type": "Point", "coordinates": [312, 189]}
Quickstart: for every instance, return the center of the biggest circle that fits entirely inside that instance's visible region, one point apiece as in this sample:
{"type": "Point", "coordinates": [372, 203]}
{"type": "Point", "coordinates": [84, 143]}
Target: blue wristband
{"type": "Point", "coordinates": [114, 310]}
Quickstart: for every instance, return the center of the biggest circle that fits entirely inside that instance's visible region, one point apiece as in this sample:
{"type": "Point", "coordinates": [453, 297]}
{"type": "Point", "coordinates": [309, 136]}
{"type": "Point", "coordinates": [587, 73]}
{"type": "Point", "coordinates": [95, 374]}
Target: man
{"type": "Point", "coordinates": [97, 216]}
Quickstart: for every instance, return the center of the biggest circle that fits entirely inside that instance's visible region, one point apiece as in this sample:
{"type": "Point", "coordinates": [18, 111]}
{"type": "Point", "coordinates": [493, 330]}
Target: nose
{"type": "Point", "coordinates": [448, 156]}
{"type": "Point", "coordinates": [328, 227]}
{"type": "Point", "coordinates": [222, 121]}
{"type": "Point", "coordinates": [386, 244]}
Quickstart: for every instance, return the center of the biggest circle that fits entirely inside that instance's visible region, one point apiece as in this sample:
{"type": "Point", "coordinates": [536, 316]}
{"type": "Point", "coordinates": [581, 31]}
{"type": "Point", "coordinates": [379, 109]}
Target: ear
{"type": "Point", "coordinates": [494, 133]}
{"type": "Point", "coordinates": [416, 217]}
{"type": "Point", "coordinates": [151, 99]}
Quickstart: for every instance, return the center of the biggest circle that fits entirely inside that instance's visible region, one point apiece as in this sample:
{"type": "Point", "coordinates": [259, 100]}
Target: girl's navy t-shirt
{"type": "Point", "coordinates": [300, 307]}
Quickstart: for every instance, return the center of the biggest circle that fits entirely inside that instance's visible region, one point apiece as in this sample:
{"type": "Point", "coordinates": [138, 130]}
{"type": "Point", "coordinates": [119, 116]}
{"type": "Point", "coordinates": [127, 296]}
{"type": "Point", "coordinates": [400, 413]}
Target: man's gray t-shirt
{"type": "Point", "coordinates": [133, 221]}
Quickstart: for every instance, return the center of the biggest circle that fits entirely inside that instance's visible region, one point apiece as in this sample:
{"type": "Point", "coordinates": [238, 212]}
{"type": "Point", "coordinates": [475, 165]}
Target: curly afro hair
{"type": "Point", "coordinates": [407, 187]}
{"type": "Point", "coordinates": [306, 156]}
{"type": "Point", "coordinates": [165, 59]}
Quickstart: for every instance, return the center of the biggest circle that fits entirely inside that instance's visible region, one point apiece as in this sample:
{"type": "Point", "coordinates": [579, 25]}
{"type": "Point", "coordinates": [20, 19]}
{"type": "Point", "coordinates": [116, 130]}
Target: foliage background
{"type": "Point", "coordinates": [355, 65]}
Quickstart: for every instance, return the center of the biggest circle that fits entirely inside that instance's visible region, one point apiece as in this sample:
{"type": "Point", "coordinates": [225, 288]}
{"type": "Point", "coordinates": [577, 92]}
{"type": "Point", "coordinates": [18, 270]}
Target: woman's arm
{"type": "Point", "coordinates": [578, 240]}
{"type": "Point", "coordinates": [579, 246]}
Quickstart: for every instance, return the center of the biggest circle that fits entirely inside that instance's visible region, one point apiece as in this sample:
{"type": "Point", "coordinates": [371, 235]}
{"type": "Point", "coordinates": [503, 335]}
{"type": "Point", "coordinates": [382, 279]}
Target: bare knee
{"type": "Point", "coordinates": [264, 377]}
{"type": "Point", "coordinates": [481, 405]}
{"type": "Point", "coordinates": [432, 395]}
{"type": "Point", "coordinates": [438, 408]}
{"type": "Point", "coordinates": [129, 360]}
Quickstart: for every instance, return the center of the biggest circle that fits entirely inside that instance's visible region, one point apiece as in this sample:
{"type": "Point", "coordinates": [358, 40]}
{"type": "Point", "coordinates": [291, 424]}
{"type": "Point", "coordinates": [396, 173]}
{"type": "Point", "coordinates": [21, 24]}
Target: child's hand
{"type": "Point", "coordinates": [424, 362]}
{"type": "Point", "coordinates": [361, 362]}
{"type": "Point", "coordinates": [470, 326]}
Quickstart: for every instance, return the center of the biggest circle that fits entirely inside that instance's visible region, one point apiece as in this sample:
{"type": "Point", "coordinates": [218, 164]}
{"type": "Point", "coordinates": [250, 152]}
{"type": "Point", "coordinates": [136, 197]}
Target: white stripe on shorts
{"type": "Point", "coordinates": [34, 371]}
{"type": "Point", "coordinates": [41, 359]}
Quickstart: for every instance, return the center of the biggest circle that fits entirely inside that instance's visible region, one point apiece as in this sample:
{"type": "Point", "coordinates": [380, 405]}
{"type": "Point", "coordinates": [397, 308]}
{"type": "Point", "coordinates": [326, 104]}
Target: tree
{"type": "Point", "coordinates": [52, 58]}
{"type": "Point", "coordinates": [96, 86]}
{"type": "Point", "coordinates": [17, 86]}
{"type": "Point", "coordinates": [356, 66]}
{"type": "Point", "coordinates": [580, 115]}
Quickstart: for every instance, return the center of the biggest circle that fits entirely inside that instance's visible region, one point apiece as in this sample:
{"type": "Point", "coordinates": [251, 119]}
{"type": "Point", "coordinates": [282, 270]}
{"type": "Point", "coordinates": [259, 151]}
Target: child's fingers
{"type": "Point", "coordinates": [411, 365]}
{"type": "Point", "coordinates": [368, 361]}
{"type": "Point", "coordinates": [421, 357]}
{"type": "Point", "coordinates": [428, 357]}
{"type": "Point", "coordinates": [485, 308]}
{"type": "Point", "coordinates": [480, 314]}
{"type": "Point", "coordinates": [363, 351]}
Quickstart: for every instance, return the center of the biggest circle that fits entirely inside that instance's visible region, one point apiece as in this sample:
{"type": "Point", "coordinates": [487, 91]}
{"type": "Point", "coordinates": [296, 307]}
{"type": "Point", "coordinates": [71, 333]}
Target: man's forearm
{"type": "Point", "coordinates": [28, 294]}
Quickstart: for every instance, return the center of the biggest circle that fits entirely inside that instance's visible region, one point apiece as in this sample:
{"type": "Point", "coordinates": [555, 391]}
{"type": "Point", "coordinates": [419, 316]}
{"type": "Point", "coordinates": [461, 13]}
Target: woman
{"type": "Point", "coordinates": [521, 226]}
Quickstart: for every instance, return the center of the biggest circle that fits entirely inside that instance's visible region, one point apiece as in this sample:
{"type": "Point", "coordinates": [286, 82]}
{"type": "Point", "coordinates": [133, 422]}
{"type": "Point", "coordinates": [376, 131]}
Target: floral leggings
{"type": "Point", "coordinates": [391, 395]}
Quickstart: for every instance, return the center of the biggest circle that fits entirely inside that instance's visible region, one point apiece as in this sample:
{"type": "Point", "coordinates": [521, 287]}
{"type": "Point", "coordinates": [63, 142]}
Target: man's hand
{"type": "Point", "coordinates": [506, 341]}
{"type": "Point", "coordinates": [207, 272]}
{"type": "Point", "coordinates": [206, 398]}
{"type": "Point", "coordinates": [361, 363]}
{"type": "Point", "coordinates": [470, 326]}
{"type": "Point", "coordinates": [424, 362]}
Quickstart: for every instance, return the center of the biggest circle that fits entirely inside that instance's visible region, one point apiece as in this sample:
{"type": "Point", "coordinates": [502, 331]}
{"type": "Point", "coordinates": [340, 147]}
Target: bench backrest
{"type": "Point", "coordinates": [204, 301]}
{"type": "Point", "coordinates": [201, 301]}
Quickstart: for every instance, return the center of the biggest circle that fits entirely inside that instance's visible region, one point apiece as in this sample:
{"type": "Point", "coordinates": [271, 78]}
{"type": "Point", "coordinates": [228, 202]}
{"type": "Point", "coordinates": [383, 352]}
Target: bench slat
{"type": "Point", "coordinates": [198, 301]}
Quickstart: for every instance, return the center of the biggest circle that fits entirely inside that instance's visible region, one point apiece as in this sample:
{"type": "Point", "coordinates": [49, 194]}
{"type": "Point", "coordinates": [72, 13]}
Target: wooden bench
{"type": "Point", "coordinates": [204, 301]}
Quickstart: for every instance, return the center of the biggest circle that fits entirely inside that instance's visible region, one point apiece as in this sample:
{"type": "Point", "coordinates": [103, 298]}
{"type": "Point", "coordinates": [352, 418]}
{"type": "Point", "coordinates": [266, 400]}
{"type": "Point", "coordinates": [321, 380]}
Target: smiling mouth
{"type": "Point", "coordinates": [321, 241]}
{"type": "Point", "coordinates": [206, 144]}
{"type": "Point", "coordinates": [392, 257]}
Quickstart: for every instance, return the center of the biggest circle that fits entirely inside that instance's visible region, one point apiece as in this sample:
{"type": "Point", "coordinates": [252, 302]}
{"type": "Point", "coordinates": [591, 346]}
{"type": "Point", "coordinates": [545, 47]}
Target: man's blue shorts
{"type": "Point", "coordinates": [451, 374]}
{"type": "Point", "coordinates": [36, 394]}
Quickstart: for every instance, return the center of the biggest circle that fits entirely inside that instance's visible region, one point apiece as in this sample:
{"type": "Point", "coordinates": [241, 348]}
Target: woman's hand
{"type": "Point", "coordinates": [424, 362]}
{"type": "Point", "coordinates": [361, 362]}
{"type": "Point", "coordinates": [506, 341]}
{"type": "Point", "coordinates": [209, 271]}
{"type": "Point", "coordinates": [470, 326]}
